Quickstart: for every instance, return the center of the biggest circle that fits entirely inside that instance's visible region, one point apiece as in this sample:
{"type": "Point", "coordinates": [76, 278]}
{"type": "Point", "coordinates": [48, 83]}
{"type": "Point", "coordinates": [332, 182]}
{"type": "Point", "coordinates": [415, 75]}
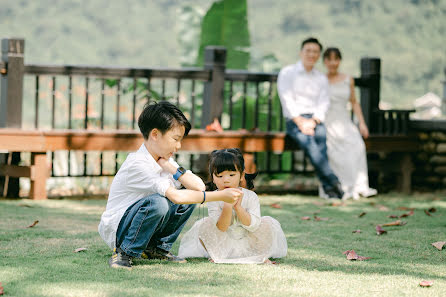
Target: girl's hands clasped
{"type": "Point", "coordinates": [231, 195]}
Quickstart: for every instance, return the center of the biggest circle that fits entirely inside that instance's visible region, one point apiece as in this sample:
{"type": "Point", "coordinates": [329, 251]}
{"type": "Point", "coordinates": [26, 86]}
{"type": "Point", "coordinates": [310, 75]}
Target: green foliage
{"type": "Point", "coordinates": [226, 24]}
{"type": "Point", "coordinates": [407, 35]}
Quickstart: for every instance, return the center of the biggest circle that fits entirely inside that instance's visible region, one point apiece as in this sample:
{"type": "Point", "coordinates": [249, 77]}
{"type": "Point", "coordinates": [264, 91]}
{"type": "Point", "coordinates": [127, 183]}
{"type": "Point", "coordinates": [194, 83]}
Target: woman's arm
{"type": "Point", "coordinates": [357, 110]}
{"type": "Point", "coordinates": [224, 221]}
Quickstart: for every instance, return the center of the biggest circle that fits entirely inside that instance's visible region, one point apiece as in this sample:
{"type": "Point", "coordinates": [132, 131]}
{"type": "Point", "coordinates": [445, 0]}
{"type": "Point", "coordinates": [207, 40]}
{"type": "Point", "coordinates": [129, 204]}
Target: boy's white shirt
{"type": "Point", "coordinates": [139, 176]}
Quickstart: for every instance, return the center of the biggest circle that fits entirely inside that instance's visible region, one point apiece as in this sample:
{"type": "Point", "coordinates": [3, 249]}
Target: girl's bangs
{"type": "Point", "coordinates": [225, 161]}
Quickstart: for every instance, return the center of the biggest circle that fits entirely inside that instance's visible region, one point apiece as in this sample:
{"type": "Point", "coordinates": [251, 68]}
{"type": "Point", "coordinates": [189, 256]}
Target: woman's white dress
{"type": "Point", "coordinates": [345, 146]}
{"type": "Point", "coordinates": [241, 244]}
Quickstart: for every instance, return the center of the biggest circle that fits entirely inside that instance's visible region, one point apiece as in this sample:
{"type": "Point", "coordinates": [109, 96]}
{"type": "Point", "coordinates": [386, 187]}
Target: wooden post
{"type": "Point", "coordinates": [371, 72]}
{"type": "Point", "coordinates": [39, 175]}
{"type": "Point", "coordinates": [214, 60]}
{"type": "Point", "coordinates": [11, 97]}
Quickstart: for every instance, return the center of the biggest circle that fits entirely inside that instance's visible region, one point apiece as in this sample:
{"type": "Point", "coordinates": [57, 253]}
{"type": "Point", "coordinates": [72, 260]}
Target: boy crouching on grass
{"type": "Point", "coordinates": [145, 210]}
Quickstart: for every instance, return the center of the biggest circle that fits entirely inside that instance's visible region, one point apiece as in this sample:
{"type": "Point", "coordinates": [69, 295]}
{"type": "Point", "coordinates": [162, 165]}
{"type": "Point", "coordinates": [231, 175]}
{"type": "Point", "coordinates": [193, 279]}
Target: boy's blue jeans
{"type": "Point", "coordinates": [151, 221]}
{"type": "Point", "coordinates": [315, 147]}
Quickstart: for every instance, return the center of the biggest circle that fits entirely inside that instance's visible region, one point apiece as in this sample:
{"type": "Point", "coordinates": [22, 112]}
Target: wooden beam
{"type": "Point", "coordinates": [15, 170]}
{"type": "Point", "coordinates": [196, 141]}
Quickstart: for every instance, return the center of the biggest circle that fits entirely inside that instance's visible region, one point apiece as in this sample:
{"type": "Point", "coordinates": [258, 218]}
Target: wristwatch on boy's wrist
{"type": "Point", "coordinates": [179, 173]}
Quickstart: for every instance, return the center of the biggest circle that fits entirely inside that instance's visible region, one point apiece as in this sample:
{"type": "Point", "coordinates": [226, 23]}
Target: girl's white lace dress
{"type": "Point", "coordinates": [255, 243]}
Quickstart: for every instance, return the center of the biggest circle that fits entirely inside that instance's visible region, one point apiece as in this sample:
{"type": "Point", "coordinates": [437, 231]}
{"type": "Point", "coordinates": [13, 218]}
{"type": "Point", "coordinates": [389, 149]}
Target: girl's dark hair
{"type": "Point", "coordinates": [228, 159]}
{"type": "Point", "coordinates": [162, 116]}
{"type": "Point", "coordinates": [332, 50]}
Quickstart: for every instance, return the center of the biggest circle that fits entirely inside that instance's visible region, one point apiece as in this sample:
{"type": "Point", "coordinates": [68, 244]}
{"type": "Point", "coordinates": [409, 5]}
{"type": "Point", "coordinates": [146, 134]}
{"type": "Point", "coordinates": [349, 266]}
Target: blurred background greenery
{"type": "Point", "coordinates": [408, 35]}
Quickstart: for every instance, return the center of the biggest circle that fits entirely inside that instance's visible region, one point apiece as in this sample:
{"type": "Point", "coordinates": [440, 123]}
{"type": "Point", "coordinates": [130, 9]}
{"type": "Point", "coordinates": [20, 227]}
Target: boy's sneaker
{"type": "Point", "coordinates": [120, 260]}
{"type": "Point", "coordinates": [157, 253]}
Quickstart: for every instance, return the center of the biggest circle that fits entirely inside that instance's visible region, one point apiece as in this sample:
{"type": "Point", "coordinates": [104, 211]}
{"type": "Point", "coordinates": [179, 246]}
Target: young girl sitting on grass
{"type": "Point", "coordinates": [233, 233]}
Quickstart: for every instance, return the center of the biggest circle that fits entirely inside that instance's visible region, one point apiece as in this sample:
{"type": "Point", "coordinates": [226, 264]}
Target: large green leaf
{"type": "Point", "coordinates": [226, 24]}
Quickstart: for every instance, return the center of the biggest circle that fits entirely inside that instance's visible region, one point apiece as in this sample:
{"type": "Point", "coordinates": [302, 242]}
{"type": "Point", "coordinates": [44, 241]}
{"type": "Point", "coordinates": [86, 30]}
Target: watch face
{"type": "Point", "coordinates": [182, 170]}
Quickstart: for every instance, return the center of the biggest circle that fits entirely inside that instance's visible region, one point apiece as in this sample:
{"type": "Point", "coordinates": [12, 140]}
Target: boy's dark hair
{"type": "Point", "coordinates": [228, 159]}
{"type": "Point", "coordinates": [311, 40]}
{"type": "Point", "coordinates": [162, 116]}
{"type": "Point", "coordinates": [332, 50]}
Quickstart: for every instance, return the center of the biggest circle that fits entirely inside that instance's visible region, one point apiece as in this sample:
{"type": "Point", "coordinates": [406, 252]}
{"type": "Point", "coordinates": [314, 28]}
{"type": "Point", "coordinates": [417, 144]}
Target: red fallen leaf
{"type": "Point", "coordinates": [356, 231]}
{"type": "Point", "coordinates": [276, 205]}
{"type": "Point", "coordinates": [316, 218]}
{"type": "Point", "coordinates": [1, 289]}
{"type": "Point", "coordinates": [406, 214]}
{"type": "Point", "coordinates": [439, 244]}
{"type": "Point", "coordinates": [427, 212]}
{"type": "Point", "coordinates": [432, 209]}
{"type": "Point", "coordinates": [337, 204]}
{"type": "Point", "coordinates": [426, 283]}
{"type": "Point", "coordinates": [79, 250]}
{"type": "Point", "coordinates": [396, 223]}
{"type": "Point", "coordinates": [352, 255]}
{"type": "Point", "coordinates": [362, 214]}
{"type": "Point", "coordinates": [380, 230]}
{"type": "Point", "coordinates": [305, 218]}
{"type": "Point", "coordinates": [393, 216]}
{"type": "Point", "coordinates": [33, 224]}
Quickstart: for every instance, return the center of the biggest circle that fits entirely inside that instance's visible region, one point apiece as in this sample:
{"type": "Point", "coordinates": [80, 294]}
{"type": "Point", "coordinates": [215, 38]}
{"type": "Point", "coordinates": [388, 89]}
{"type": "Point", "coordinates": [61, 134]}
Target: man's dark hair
{"type": "Point", "coordinates": [332, 51]}
{"type": "Point", "coordinates": [311, 40]}
{"type": "Point", "coordinates": [162, 116]}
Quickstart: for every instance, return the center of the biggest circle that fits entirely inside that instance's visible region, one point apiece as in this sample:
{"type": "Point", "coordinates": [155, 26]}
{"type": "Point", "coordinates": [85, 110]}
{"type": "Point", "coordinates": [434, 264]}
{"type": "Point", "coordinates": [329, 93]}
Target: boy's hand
{"type": "Point", "coordinates": [231, 195]}
{"type": "Point", "coordinates": [166, 165]}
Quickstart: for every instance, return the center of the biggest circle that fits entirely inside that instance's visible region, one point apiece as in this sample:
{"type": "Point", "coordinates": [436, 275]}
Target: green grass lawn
{"type": "Point", "coordinates": [40, 261]}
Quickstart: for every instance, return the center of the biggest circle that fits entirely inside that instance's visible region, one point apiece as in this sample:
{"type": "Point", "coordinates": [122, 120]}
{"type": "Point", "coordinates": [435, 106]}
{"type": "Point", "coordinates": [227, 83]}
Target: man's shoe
{"type": "Point", "coordinates": [338, 190]}
{"type": "Point", "coordinates": [157, 253]}
{"type": "Point", "coordinates": [332, 194]}
{"type": "Point", "coordinates": [119, 259]}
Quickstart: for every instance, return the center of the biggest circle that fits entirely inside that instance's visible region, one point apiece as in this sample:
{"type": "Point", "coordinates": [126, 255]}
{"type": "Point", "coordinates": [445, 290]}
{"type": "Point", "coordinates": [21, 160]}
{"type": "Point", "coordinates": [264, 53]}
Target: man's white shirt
{"type": "Point", "coordinates": [303, 92]}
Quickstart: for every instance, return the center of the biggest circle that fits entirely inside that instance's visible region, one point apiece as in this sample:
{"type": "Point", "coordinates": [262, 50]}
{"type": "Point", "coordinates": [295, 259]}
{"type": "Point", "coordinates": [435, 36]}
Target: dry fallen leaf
{"type": "Point", "coordinates": [426, 283]}
{"type": "Point", "coordinates": [276, 205]}
{"type": "Point", "coordinates": [393, 216]}
{"type": "Point", "coordinates": [383, 208]}
{"type": "Point", "coordinates": [305, 218]}
{"type": "Point", "coordinates": [406, 214]}
{"type": "Point", "coordinates": [439, 244]}
{"type": "Point", "coordinates": [316, 218]}
{"type": "Point", "coordinates": [25, 205]}
{"type": "Point", "coordinates": [380, 230]}
{"type": "Point", "coordinates": [356, 231]}
{"type": "Point", "coordinates": [396, 223]}
{"type": "Point", "coordinates": [337, 204]}
{"type": "Point", "coordinates": [405, 208]}
{"type": "Point", "coordinates": [352, 255]}
{"type": "Point", "coordinates": [427, 212]}
{"type": "Point", "coordinates": [33, 224]}
{"type": "Point", "coordinates": [79, 250]}
{"type": "Point", "coordinates": [318, 203]}
{"type": "Point", "coordinates": [362, 214]}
